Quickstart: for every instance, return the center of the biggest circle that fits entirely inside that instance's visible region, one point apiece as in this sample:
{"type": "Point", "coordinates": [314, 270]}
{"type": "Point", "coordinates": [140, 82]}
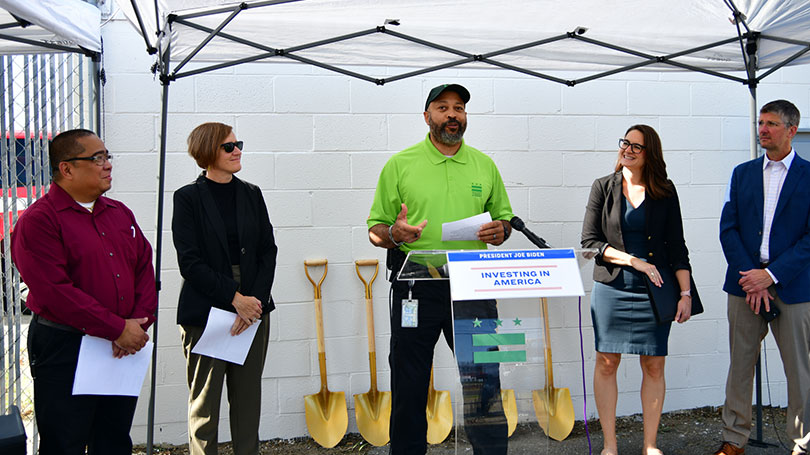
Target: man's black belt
{"type": "Point", "coordinates": [40, 320]}
{"type": "Point", "coordinates": [763, 265]}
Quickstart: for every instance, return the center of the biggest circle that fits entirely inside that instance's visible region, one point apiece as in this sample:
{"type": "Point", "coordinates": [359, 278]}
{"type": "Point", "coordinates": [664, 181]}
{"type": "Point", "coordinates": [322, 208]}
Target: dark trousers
{"type": "Point", "coordinates": [411, 358]}
{"type": "Point", "coordinates": [68, 424]}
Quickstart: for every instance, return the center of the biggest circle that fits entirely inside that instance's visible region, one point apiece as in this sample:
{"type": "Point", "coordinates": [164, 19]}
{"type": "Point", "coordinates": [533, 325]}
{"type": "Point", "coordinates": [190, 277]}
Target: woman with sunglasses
{"type": "Point", "coordinates": [633, 218]}
{"type": "Point", "coordinates": [227, 257]}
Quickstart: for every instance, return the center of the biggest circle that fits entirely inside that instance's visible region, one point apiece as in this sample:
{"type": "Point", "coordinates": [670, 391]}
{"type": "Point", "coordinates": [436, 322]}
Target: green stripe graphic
{"type": "Point", "coordinates": [499, 356]}
{"type": "Point", "coordinates": [498, 339]}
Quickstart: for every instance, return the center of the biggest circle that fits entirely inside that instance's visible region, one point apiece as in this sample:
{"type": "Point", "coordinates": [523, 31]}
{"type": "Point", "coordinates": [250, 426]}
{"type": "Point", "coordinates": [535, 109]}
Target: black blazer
{"type": "Point", "coordinates": [603, 227]}
{"type": "Point", "coordinates": [202, 251]}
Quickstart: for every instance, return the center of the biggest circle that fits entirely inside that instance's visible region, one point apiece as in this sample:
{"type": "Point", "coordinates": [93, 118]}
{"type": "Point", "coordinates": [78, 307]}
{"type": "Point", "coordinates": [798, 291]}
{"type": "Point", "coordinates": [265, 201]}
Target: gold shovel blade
{"type": "Point", "coordinates": [510, 409]}
{"type": "Point", "coordinates": [439, 416]}
{"type": "Point", "coordinates": [327, 418]}
{"type": "Point", "coordinates": [373, 413]}
{"type": "Point", "coordinates": [555, 411]}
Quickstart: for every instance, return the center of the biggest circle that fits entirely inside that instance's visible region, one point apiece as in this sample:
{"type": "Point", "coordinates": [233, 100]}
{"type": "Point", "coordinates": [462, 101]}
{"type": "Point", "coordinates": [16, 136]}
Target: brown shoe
{"type": "Point", "coordinates": [729, 449]}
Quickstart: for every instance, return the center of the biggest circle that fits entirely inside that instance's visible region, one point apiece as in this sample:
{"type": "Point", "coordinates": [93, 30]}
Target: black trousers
{"type": "Point", "coordinates": [68, 424]}
{"type": "Point", "coordinates": [411, 358]}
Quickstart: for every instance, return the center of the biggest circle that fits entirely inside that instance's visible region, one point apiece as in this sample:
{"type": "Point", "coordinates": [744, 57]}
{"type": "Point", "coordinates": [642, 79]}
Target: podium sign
{"type": "Point", "coordinates": [510, 274]}
{"type": "Point", "coordinates": [498, 337]}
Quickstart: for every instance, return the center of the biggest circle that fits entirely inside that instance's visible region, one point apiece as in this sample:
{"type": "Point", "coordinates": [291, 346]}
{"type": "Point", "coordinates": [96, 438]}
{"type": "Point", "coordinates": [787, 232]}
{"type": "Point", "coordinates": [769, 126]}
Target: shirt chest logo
{"type": "Point", "coordinates": [477, 190]}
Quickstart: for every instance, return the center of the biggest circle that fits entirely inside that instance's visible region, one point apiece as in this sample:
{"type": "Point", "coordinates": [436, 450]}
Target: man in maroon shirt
{"type": "Point", "coordinates": [89, 271]}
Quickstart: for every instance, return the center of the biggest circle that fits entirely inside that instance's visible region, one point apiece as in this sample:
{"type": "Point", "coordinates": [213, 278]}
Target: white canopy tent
{"type": "Point", "coordinates": [292, 28]}
{"type": "Point", "coordinates": [49, 25]}
{"type": "Point", "coordinates": [739, 40]}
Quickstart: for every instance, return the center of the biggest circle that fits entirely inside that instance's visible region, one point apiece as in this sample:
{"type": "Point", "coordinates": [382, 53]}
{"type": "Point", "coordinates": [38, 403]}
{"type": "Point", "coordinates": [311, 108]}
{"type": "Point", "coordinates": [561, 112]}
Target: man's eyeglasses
{"type": "Point", "coordinates": [99, 159]}
{"type": "Point", "coordinates": [636, 148]}
{"type": "Point", "coordinates": [229, 146]}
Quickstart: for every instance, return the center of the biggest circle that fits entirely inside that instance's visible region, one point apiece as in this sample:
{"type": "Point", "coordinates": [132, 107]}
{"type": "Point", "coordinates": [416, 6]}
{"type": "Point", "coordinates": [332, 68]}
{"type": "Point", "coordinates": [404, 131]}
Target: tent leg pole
{"type": "Point", "coordinates": [753, 120]}
{"type": "Point", "coordinates": [164, 114]}
{"type": "Point", "coordinates": [97, 86]}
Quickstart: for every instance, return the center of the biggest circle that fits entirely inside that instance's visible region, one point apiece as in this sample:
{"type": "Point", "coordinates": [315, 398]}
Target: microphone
{"type": "Point", "coordinates": [519, 225]}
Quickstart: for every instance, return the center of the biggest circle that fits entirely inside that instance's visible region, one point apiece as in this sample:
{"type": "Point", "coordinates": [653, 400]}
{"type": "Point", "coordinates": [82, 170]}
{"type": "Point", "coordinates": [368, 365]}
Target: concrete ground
{"type": "Point", "coordinates": [690, 432]}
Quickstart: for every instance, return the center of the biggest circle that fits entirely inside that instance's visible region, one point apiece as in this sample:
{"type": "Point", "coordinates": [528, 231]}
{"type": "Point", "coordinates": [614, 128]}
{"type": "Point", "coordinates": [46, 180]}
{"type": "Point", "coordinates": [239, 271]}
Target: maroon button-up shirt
{"type": "Point", "coordinates": [88, 270]}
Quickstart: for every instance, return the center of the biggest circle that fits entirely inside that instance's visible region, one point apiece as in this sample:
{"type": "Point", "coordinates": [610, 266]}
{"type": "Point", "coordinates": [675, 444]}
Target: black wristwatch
{"type": "Point", "coordinates": [506, 231]}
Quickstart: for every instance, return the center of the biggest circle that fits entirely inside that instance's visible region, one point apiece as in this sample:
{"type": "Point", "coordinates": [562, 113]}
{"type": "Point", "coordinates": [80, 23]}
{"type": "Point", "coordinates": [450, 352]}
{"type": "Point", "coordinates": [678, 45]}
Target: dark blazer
{"type": "Point", "coordinates": [603, 227]}
{"type": "Point", "coordinates": [202, 251]}
{"type": "Point", "coordinates": [741, 229]}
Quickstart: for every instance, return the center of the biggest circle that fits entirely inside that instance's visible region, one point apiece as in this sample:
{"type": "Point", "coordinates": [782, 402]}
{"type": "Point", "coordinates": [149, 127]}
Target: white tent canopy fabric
{"type": "Point", "coordinates": [647, 29]}
{"type": "Point", "coordinates": [66, 25]}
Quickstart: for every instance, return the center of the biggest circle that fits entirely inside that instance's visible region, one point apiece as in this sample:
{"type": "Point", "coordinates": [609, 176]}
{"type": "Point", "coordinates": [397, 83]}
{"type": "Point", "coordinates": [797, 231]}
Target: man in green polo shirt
{"type": "Point", "coordinates": [438, 180]}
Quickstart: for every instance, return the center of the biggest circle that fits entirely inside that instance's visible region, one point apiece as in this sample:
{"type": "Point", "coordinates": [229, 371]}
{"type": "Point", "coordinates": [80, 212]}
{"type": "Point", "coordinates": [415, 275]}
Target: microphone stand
{"type": "Point", "coordinates": [519, 225]}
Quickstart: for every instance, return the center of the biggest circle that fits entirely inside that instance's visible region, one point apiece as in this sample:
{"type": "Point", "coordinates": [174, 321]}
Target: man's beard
{"type": "Point", "coordinates": [440, 134]}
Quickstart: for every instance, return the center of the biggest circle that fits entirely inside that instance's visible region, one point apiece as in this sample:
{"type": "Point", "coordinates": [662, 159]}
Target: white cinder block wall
{"type": "Point", "coordinates": [315, 143]}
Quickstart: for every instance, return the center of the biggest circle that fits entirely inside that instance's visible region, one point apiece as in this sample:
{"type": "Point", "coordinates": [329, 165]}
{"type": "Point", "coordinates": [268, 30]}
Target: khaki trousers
{"type": "Point", "coordinates": [206, 376]}
{"type": "Point", "coordinates": [791, 329]}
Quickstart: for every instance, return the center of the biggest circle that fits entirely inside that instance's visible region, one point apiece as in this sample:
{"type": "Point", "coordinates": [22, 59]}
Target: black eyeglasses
{"type": "Point", "coordinates": [636, 148]}
{"type": "Point", "coordinates": [99, 159]}
{"type": "Point", "coordinates": [229, 146]}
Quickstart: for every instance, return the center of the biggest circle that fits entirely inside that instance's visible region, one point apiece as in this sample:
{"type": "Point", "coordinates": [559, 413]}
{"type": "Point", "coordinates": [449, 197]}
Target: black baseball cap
{"type": "Point", "coordinates": [436, 91]}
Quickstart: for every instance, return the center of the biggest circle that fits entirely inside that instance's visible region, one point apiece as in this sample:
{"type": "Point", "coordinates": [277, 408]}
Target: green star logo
{"type": "Point", "coordinates": [498, 322]}
{"type": "Point", "coordinates": [517, 321]}
{"type": "Point", "coordinates": [477, 322]}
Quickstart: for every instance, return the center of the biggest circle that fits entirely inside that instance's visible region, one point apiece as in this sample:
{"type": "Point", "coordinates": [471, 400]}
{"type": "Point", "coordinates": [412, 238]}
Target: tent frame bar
{"type": "Point", "coordinates": [151, 50]}
{"type": "Point", "coordinates": [242, 5]}
{"type": "Point", "coordinates": [211, 35]}
{"type": "Point", "coordinates": [56, 47]}
{"type": "Point", "coordinates": [270, 52]}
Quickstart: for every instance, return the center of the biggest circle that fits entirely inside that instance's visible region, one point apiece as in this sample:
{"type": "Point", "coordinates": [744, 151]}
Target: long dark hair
{"type": "Point", "coordinates": [654, 173]}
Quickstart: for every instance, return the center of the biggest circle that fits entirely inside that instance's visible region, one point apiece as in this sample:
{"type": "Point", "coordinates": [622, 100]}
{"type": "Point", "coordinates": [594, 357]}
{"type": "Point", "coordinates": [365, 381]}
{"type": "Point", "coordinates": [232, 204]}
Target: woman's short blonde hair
{"type": "Point", "coordinates": [204, 142]}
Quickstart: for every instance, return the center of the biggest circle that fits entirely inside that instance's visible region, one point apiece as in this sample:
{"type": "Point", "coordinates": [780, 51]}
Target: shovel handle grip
{"type": "Point", "coordinates": [549, 365]}
{"type": "Point", "coordinates": [367, 262]}
{"type": "Point", "coordinates": [314, 263]}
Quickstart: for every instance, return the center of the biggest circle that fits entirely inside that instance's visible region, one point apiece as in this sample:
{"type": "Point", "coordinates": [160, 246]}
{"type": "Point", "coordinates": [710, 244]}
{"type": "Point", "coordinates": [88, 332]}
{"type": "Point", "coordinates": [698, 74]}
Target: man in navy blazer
{"type": "Point", "coordinates": [765, 233]}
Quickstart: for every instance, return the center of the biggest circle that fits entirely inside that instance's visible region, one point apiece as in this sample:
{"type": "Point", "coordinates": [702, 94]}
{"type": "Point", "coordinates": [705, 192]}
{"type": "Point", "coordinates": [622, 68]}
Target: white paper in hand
{"type": "Point", "coordinates": [466, 229]}
{"type": "Point", "coordinates": [217, 341]}
{"type": "Point", "coordinates": [99, 373]}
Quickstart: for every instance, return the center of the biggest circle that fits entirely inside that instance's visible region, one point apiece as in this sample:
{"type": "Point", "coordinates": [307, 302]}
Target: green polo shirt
{"type": "Point", "coordinates": [439, 189]}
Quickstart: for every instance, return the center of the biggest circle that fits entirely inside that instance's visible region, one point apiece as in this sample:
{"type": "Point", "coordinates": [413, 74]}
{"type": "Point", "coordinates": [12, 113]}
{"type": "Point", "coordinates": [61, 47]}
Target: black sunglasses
{"type": "Point", "coordinates": [229, 146]}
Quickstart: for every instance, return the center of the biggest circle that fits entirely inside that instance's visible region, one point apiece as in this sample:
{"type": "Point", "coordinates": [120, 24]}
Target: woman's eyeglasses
{"type": "Point", "coordinates": [636, 148]}
{"type": "Point", "coordinates": [229, 146]}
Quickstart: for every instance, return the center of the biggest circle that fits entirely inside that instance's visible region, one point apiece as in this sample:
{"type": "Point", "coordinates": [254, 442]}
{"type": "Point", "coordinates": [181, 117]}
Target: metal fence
{"type": "Point", "coordinates": [40, 96]}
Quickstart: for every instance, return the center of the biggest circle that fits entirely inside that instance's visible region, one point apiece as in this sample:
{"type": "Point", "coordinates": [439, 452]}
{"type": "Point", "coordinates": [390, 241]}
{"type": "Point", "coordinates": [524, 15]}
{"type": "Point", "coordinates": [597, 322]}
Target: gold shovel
{"type": "Point", "coordinates": [553, 407]}
{"type": "Point", "coordinates": [326, 414]}
{"type": "Point", "coordinates": [439, 414]}
{"type": "Point", "coordinates": [510, 409]}
{"type": "Point", "coordinates": [372, 409]}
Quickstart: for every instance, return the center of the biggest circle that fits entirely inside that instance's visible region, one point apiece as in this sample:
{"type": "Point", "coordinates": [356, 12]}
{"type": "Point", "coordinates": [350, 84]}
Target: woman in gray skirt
{"type": "Point", "coordinates": [633, 218]}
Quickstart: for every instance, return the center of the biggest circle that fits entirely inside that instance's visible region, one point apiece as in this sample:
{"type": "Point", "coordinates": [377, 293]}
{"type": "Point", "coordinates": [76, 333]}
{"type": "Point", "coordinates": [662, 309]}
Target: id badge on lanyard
{"type": "Point", "coordinates": [410, 309]}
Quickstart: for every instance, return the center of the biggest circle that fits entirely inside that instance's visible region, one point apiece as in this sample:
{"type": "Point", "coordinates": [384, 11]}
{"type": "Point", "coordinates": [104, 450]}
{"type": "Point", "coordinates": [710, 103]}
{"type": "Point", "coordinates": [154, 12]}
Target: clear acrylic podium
{"type": "Point", "coordinates": [501, 351]}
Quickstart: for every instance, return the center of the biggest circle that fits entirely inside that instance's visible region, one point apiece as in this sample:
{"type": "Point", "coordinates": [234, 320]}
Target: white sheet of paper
{"type": "Point", "coordinates": [217, 341]}
{"type": "Point", "coordinates": [466, 229]}
{"type": "Point", "coordinates": [99, 373]}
